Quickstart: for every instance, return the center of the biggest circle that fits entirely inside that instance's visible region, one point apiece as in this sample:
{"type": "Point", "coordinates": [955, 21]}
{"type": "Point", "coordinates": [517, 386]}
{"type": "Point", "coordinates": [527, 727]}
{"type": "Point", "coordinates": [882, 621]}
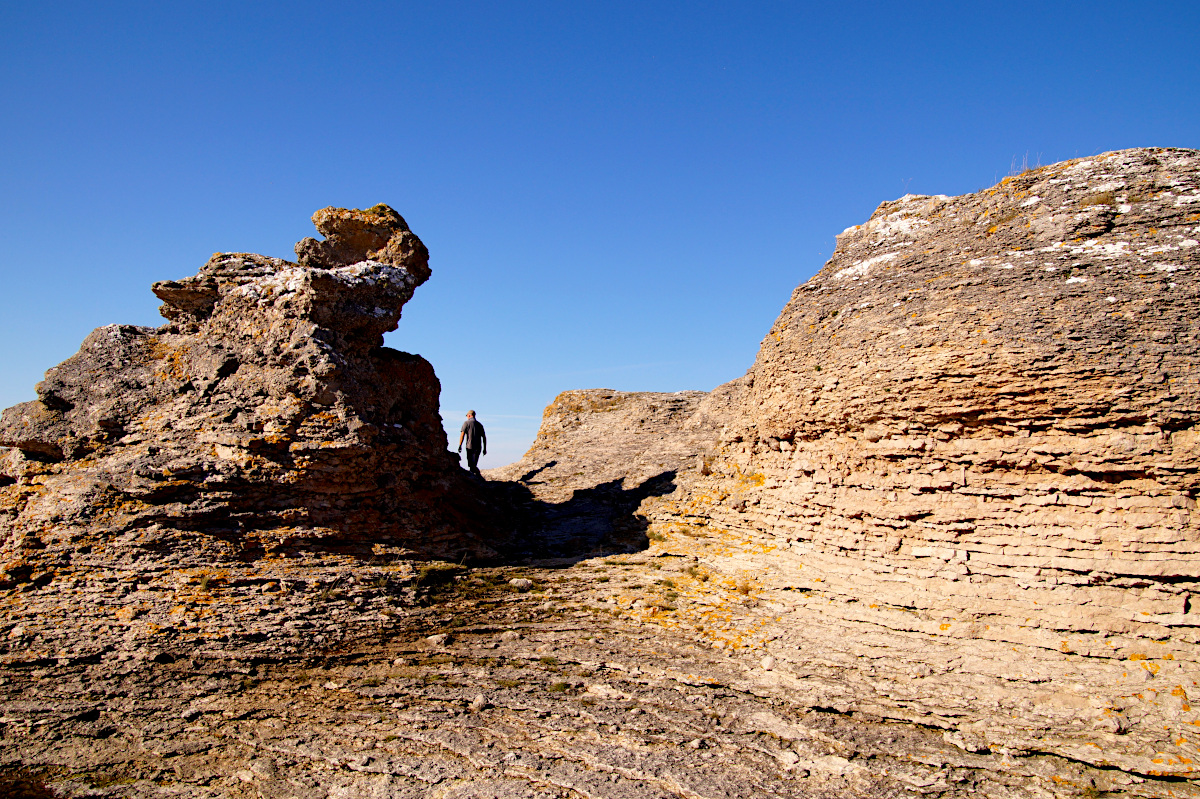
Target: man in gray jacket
{"type": "Point", "coordinates": [472, 433]}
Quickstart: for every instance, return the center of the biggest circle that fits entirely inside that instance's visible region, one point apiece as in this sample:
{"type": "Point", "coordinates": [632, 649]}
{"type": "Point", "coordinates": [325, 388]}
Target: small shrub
{"type": "Point", "coordinates": [437, 572]}
{"type": "Point", "coordinates": [654, 535]}
{"type": "Point", "coordinates": [508, 683]}
{"type": "Point", "coordinates": [548, 661]}
{"type": "Point", "coordinates": [373, 682]}
{"type": "Point", "coordinates": [1103, 198]}
{"type": "Point", "coordinates": [558, 687]}
{"type": "Point", "coordinates": [744, 587]}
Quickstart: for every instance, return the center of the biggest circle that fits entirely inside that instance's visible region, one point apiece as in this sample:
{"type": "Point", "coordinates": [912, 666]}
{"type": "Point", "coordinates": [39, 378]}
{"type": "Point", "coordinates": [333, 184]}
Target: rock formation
{"type": "Point", "coordinates": [960, 479]}
{"type": "Point", "coordinates": [614, 436]}
{"type": "Point", "coordinates": [264, 418]}
{"type": "Point", "coordinates": [940, 540]}
{"type": "Point", "coordinates": [967, 457]}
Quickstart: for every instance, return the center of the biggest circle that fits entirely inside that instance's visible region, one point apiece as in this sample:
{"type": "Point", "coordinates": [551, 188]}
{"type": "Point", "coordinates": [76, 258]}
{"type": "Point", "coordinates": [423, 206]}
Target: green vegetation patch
{"type": "Point", "coordinates": [438, 572]}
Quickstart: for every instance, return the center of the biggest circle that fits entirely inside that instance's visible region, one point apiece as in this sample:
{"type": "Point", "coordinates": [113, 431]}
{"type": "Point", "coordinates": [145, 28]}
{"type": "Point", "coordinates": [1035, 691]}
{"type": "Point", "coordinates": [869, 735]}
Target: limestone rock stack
{"type": "Point", "coordinates": [966, 462]}
{"type": "Point", "coordinates": [266, 417]}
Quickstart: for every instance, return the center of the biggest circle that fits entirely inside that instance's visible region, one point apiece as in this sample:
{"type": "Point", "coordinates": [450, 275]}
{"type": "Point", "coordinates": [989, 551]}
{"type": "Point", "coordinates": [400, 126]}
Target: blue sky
{"type": "Point", "coordinates": [614, 194]}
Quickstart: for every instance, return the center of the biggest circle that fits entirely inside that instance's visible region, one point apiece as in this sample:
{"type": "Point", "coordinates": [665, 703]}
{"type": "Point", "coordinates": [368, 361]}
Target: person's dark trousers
{"type": "Point", "coordinates": [473, 461]}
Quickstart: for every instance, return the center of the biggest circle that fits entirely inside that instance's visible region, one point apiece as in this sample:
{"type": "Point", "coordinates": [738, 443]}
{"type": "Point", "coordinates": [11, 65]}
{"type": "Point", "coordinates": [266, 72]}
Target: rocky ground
{"type": "Point", "coordinates": [547, 681]}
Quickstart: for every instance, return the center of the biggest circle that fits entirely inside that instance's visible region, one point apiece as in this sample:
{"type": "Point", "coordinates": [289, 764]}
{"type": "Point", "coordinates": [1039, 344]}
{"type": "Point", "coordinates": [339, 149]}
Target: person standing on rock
{"type": "Point", "coordinates": [472, 432]}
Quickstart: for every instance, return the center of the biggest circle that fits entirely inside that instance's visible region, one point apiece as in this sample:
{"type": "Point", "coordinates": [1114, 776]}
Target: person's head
{"type": "Point", "coordinates": [470, 414]}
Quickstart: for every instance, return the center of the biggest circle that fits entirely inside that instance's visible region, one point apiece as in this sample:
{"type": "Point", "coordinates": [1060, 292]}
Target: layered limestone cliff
{"type": "Point", "coordinates": [958, 485]}
{"type": "Point", "coordinates": [265, 418]}
{"type": "Point", "coordinates": [966, 461]}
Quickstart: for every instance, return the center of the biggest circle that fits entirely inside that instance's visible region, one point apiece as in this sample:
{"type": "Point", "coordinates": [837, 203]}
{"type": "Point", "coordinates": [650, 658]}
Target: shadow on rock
{"type": "Point", "coordinates": [593, 522]}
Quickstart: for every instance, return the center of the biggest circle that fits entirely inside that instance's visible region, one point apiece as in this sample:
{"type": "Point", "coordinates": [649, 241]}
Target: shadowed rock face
{"type": "Point", "coordinates": [266, 414]}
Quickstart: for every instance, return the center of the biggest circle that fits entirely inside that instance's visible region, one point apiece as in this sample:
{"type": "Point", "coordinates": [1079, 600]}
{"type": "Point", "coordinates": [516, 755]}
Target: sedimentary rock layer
{"type": "Point", "coordinates": [265, 417]}
{"type": "Point", "coordinates": [968, 450]}
{"type": "Point", "coordinates": [958, 485]}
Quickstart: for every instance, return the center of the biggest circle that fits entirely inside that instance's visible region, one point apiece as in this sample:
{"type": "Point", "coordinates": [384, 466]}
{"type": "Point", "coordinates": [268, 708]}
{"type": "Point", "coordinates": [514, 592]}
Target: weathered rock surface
{"type": "Point", "coordinates": [615, 437]}
{"type": "Point", "coordinates": [939, 541]}
{"type": "Point", "coordinates": [573, 687]}
{"type": "Point", "coordinates": [265, 418]}
{"type": "Point", "coordinates": [965, 463]}
{"type": "Point", "coordinates": [958, 486]}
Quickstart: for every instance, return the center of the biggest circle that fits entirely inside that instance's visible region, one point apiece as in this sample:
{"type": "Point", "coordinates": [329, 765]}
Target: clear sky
{"type": "Point", "coordinates": [615, 194]}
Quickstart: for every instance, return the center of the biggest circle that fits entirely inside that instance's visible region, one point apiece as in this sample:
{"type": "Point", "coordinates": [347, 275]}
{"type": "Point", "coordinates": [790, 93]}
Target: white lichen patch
{"type": "Point", "coordinates": [1034, 200]}
{"type": "Point", "coordinates": [369, 272]}
{"type": "Point", "coordinates": [1076, 279]}
{"type": "Point", "coordinates": [266, 289]}
{"type": "Point", "coordinates": [861, 268]}
{"type": "Point", "coordinates": [1115, 249]}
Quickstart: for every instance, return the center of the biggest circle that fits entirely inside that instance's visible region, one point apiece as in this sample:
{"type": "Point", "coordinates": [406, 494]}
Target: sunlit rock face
{"type": "Point", "coordinates": [964, 466]}
{"type": "Point", "coordinates": [265, 417]}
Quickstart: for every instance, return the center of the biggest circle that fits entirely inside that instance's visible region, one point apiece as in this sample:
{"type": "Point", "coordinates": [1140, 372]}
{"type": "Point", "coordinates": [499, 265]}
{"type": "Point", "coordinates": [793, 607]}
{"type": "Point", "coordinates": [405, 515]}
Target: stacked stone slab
{"type": "Point", "coordinates": [265, 418]}
{"type": "Point", "coordinates": [966, 462]}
